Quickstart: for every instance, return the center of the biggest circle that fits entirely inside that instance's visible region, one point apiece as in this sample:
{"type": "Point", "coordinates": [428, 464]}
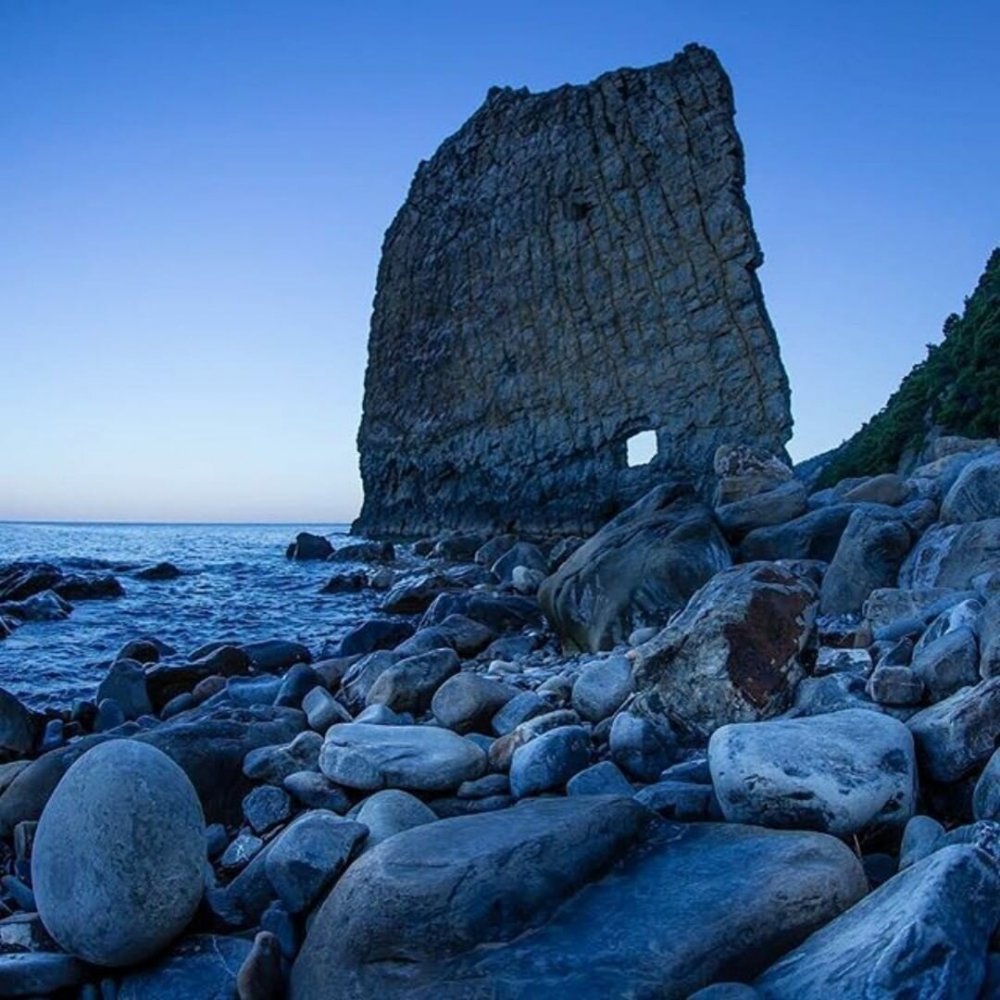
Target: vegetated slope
{"type": "Point", "coordinates": [956, 388]}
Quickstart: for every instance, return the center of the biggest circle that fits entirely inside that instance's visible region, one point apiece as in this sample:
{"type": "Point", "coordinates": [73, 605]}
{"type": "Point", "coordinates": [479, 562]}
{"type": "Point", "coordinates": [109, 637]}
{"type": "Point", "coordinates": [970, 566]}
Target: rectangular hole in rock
{"type": "Point", "coordinates": [641, 448]}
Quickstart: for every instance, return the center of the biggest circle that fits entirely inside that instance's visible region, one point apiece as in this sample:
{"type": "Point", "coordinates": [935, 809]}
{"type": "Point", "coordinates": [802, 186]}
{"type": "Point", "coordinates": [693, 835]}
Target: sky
{"type": "Point", "coordinates": [193, 195]}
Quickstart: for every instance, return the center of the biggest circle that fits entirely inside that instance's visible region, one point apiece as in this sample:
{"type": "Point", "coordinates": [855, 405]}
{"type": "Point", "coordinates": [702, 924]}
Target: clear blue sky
{"type": "Point", "coordinates": [193, 195]}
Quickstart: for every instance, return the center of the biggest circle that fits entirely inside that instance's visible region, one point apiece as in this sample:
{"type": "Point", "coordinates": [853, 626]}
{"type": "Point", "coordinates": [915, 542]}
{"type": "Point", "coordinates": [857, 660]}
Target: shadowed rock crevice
{"type": "Point", "coordinates": [569, 268]}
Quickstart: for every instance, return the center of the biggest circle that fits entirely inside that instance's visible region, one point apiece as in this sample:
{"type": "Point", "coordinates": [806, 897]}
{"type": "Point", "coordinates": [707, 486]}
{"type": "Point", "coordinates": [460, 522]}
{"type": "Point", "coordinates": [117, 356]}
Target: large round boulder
{"type": "Point", "coordinates": [117, 864]}
{"type": "Point", "coordinates": [635, 572]}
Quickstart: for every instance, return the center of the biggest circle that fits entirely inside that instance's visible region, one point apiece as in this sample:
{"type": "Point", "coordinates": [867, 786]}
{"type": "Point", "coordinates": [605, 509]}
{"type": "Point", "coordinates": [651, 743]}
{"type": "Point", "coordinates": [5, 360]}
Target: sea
{"type": "Point", "coordinates": [236, 586]}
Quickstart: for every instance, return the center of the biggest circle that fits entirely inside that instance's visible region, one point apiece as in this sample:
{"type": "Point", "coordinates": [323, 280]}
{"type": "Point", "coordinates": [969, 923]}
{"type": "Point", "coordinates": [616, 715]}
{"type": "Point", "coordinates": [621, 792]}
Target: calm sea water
{"type": "Point", "coordinates": [237, 585]}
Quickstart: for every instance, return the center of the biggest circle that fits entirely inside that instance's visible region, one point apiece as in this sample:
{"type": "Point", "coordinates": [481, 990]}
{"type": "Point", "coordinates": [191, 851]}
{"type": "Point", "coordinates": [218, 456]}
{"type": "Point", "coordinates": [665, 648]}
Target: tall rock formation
{"type": "Point", "coordinates": [570, 268]}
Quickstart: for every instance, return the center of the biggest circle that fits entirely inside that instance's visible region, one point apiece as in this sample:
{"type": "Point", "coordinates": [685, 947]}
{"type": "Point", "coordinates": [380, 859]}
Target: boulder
{"type": "Point", "coordinates": [601, 687]}
{"type": "Point", "coordinates": [784, 503]}
{"type": "Point", "coordinates": [444, 887]}
{"type": "Point", "coordinates": [732, 654]}
{"type": "Point", "coordinates": [275, 656]}
{"type": "Point", "coordinates": [17, 732]}
{"type": "Point", "coordinates": [975, 495]}
{"type": "Point", "coordinates": [641, 747]}
{"type": "Point", "coordinates": [522, 707]}
{"type": "Point", "coordinates": [309, 856]}
{"type": "Point", "coordinates": [895, 685]}
{"type": "Point", "coordinates": [889, 488]}
{"type": "Point", "coordinates": [957, 735]}
{"type": "Point", "coordinates": [159, 572]}
{"type": "Point", "coordinates": [636, 571]}
{"type": "Point", "coordinates": [499, 612]}
{"type": "Point", "coordinates": [414, 758]}
{"type": "Point", "coordinates": [868, 556]}
{"type": "Point", "coordinates": [745, 471]}
{"type": "Point", "coordinates": [323, 710]}
{"type": "Point", "coordinates": [695, 902]}
{"type": "Point", "coordinates": [272, 764]}
{"type": "Point", "coordinates": [549, 761]}
{"type": "Point", "coordinates": [261, 975]}
{"type": "Point", "coordinates": [815, 535]}
{"type": "Point", "coordinates": [952, 555]}
{"type": "Point", "coordinates": [345, 582]}
{"type": "Point", "coordinates": [389, 812]}
{"type": "Point", "coordinates": [200, 967]}
{"type": "Point", "coordinates": [373, 634]}
{"type": "Point", "coordinates": [46, 606]}
{"type": "Point", "coordinates": [364, 552]}
{"type": "Point", "coordinates": [265, 807]}
{"type": "Point", "coordinates": [947, 663]}
{"type": "Point", "coordinates": [409, 685]}
{"type": "Point", "coordinates": [924, 933]}
{"type": "Point", "coordinates": [362, 674]}
{"type": "Point", "coordinates": [840, 773]}
{"type": "Point", "coordinates": [81, 587]}
{"type": "Point", "coordinates": [309, 546]}
{"type": "Point", "coordinates": [469, 701]}
{"type": "Point", "coordinates": [989, 638]}
{"type": "Point", "coordinates": [39, 973]}
{"type": "Point", "coordinates": [125, 682]}
{"type": "Point", "coordinates": [20, 580]}
{"type": "Point", "coordinates": [117, 861]}
{"type": "Point", "coordinates": [599, 779]}
{"type": "Point", "coordinates": [414, 594]}
{"type": "Point", "coordinates": [209, 746]}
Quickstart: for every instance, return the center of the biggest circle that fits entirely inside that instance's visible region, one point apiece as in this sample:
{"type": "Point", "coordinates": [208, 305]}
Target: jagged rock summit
{"type": "Point", "coordinates": [569, 269]}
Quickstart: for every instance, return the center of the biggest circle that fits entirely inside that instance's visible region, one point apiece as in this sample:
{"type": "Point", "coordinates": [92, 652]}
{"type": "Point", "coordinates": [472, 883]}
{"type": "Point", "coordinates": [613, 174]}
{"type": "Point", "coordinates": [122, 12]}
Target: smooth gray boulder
{"type": "Point", "coordinates": [469, 701]}
{"type": "Point", "coordinates": [692, 903]}
{"type": "Point", "coordinates": [601, 687]}
{"type": "Point", "coordinates": [958, 734]}
{"type": "Point", "coordinates": [442, 888]}
{"type": "Point", "coordinates": [604, 778]}
{"type": "Point", "coordinates": [920, 838]}
{"type": "Point", "coordinates": [975, 495]}
{"type": "Point", "coordinates": [549, 761]}
{"type": "Point", "coordinates": [868, 556]}
{"type": "Point", "coordinates": [888, 488]}
{"type": "Point", "coordinates": [409, 684]}
{"type": "Point", "coordinates": [895, 685]}
{"type": "Point", "coordinates": [414, 758]}
{"type": "Point", "coordinates": [39, 973]}
{"type": "Point", "coordinates": [520, 554]}
{"type": "Point", "coordinates": [635, 572]}
{"type": "Point", "coordinates": [732, 655]}
{"type": "Point", "coordinates": [784, 503]}
{"type": "Point", "coordinates": [948, 663]}
{"type": "Point", "coordinates": [641, 747]}
{"type": "Point", "coordinates": [839, 773]}
{"type": "Point", "coordinates": [309, 855]}
{"type": "Point", "coordinates": [812, 536]}
{"type": "Point", "coordinates": [389, 812]}
{"type": "Point", "coordinates": [272, 765]}
{"type": "Point", "coordinates": [952, 555]}
{"type": "Point", "coordinates": [117, 863]}
{"type": "Point", "coordinates": [923, 934]}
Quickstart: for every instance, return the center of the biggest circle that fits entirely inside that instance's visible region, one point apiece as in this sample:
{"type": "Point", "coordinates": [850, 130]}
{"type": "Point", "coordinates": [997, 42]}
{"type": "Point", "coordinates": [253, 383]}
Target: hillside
{"type": "Point", "coordinates": [956, 387]}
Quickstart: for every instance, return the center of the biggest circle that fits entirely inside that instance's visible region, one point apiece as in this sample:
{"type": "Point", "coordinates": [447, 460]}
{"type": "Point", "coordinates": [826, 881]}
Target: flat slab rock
{"type": "Point", "coordinates": [414, 758]}
{"type": "Point", "coordinates": [691, 905]}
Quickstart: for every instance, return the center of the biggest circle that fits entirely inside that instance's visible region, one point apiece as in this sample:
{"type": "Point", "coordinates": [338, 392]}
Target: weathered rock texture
{"type": "Point", "coordinates": [570, 268]}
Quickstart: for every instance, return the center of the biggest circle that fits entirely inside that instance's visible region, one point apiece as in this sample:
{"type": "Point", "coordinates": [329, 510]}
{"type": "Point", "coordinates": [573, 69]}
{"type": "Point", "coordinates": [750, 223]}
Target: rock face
{"type": "Point", "coordinates": [545, 254]}
{"type": "Point", "coordinates": [117, 861]}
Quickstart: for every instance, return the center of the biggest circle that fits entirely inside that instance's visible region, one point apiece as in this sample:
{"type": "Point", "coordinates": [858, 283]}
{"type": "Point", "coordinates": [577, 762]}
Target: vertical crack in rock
{"type": "Point", "coordinates": [570, 268]}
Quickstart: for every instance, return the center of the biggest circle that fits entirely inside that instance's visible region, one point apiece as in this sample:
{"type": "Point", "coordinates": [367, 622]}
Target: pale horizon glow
{"type": "Point", "coordinates": [193, 198]}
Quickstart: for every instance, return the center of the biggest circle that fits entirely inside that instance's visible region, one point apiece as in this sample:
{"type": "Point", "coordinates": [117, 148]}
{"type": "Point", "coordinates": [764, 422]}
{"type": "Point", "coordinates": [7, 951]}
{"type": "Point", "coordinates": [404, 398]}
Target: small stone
{"type": "Point", "coordinates": [216, 840]}
{"type": "Point", "coordinates": [679, 800]}
{"type": "Point", "coordinates": [482, 788]}
{"type": "Point", "coordinates": [469, 701]}
{"type": "Point", "coordinates": [241, 852]}
{"type": "Point", "coordinates": [279, 922]}
{"type": "Point", "coordinates": [389, 812]}
{"type": "Point", "coordinates": [409, 685]}
{"type": "Point", "coordinates": [295, 685]}
{"type": "Point", "coordinates": [53, 737]}
{"type": "Point", "coordinates": [599, 779]}
{"type": "Point", "coordinates": [382, 715]}
{"type": "Point", "coordinates": [948, 663]}
{"type": "Point", "coordinates": [640, 747]}
{"type": "Point", "coordinates": [274, 764]}
{"type": "Point", "coordinates": [260, 975]}
{"type": "Point", "coordinates": [323, 710]}
{"type": "Point", "coordinates": [109, 716]}
{"type": "Point", "coordinates": [266, 807]}
{"type": "Point", "coordinates": [549, 761]}
{"type": "Point", "coordinates": [316, 791]}
{"type": "Point", "coordinates": [602, 687]}
{"type": "Point", "coordinates": [920, 838]}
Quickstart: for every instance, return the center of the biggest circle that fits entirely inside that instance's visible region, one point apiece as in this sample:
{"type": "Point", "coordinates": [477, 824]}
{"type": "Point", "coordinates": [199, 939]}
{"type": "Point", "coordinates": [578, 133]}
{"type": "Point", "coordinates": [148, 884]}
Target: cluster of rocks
{"type": "Point", "coordinates": [752, 743]}
{"type": "Point", "coordinates": [41, 592]}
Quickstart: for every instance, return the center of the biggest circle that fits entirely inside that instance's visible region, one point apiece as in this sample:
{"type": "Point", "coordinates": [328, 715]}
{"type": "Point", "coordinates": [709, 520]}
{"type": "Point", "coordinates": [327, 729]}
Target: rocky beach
{"type": "Point", "coordinates": [710, 726]}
